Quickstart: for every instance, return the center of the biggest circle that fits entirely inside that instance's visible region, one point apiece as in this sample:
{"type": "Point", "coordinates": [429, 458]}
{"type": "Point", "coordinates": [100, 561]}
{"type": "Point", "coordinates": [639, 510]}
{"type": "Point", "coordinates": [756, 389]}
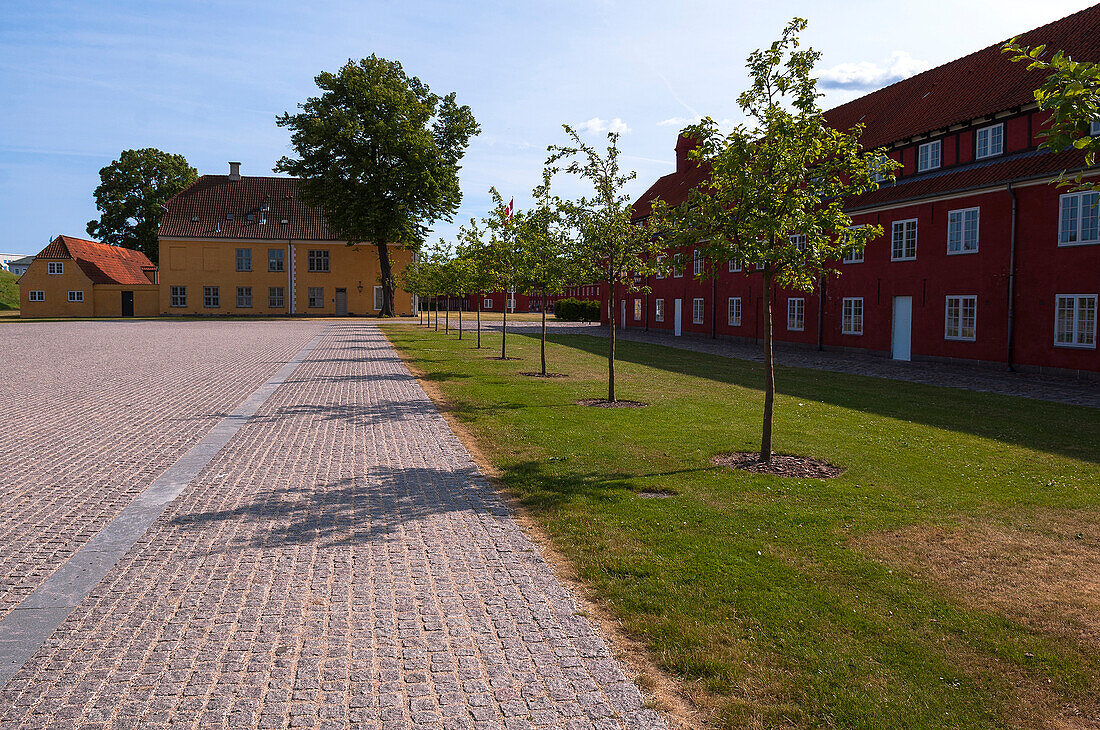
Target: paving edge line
{"type": "Point", "coordinates": [30, 624]}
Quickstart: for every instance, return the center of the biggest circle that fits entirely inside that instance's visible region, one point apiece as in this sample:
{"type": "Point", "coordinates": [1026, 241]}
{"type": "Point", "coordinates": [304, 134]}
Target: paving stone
{"type": "Point", "coordinates": [340, 562]}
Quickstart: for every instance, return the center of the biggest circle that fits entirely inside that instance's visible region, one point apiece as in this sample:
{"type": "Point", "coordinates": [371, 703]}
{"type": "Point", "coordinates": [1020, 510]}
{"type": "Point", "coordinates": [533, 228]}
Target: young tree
{"type": "Point", "coordinates": [503, 251]}
{"type": "Point", "coordinates": [776, 191]}
{"type": "Point", "coordinates": [610, 246]}
{"type": "Point", "coordinates": [1071, 92]}
{"type": "Point", "coordinates": [131, 195]}
{"type": "Point", "coordinates": [547, 251]}
{"type": "Point", "coordinates": [474, 250]}
{"type": "Point", "coordinates": [413, 279]}
{"type": "Point", "coordinates": [378, 153]}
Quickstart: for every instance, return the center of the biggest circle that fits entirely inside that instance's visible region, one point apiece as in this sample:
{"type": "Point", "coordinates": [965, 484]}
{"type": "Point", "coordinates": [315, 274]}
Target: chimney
{"type": "Point", "coordinates": [684, 145]}
{"type": "Point", "coordinates": [234, 171]}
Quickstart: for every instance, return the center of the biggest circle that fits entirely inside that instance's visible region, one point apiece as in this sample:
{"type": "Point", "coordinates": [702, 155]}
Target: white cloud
{"type": "Point", "coordinates": [724, 125]}
{"type": "Point", "coordinates": [866, 76]}
{"type": "Point", "coordinates": [599, 126]}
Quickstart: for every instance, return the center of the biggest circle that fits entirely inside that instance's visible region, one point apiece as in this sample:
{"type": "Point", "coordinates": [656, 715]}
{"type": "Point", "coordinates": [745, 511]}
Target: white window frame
{"type": "Point", "coordinates": [177, 296]}
{"type": "Point", "coordinates": [904, 225]}
{"type": "Point", "coordinates": [211, 297]}
{"type": "Point", "coordinates": [989, 151]}
{"type": "Point", "coordinates": [796, 314]}
{"type": "Point", "coordinates": [678, 266]}
{"type": "Point", "coordinates": [379, 298]}
{"type": "Point", "coordinates": [244, 259]}
{"type": "Point", "coordinates": [851, 320]}
{"type": "Point", "coordinates": [937, 145]}
{"type": "Point", "coordinates": [315, 257]}
{"type": "Point", "coordinates": [798, 240]}
{"type": "Point", "coordinates": [854, 255]}
{"type": "Point", "coordinates": [55, 267]}
{"type": "Point", "coordinates": [733, 311]}
{"type": "Point", "coordinates": [36, 295]}
{"type": "Point", "coordinates": [487, 303]}
{"type": "Point", "coordinates": [959, 320]}
{"type": "Point", "coordinates": [734, 265]}
{"type": "Point", "coordinates": [1083, 336]}
{"type": "Point", "coordinates": [244, 297]}
{"type": "Point", "coordinates": [660, 269]}
{"type": "Point", "coordinates": [276, 297]}
{"type": "Point", "coordinates": [637, 310]}
{"type": "Point", "coordinates": [76, 295]}
{"type": "Point", "coordinates": [1078, 201]}
{"type": "Point", "coordinates": [511, 303]}
{"type": "Point", "coordinates": [698, 311]}
{"type": "Point", "coordinates": [697, 262]}
{"type": "Point", "coordinates": [318, 297]}
{"type": "Point", "coordinates": [959, 217]}
{"type": "Point", "coordinates": [276, 255]}
{"type": "Point", "coordinates": [659, 310]}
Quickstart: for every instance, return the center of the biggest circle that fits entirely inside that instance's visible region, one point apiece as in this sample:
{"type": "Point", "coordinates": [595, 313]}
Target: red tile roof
{"type": "Point", "coordinates": [1026, 166]}
{"type": "Point", "coordinates": [202, 210]}
{"type": "Point", "coordinates": [673, 188]}
{"type": "Point", "coordinates": [102, 263]}
{"type": "Point", "coordinates": [971, 87]}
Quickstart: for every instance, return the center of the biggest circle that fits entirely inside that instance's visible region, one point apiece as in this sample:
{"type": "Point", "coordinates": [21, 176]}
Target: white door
{"type": "Point", "coordinates": [903, 328]}
{"type": "Point", "coordinates": [676, 317]}
{"type": "Point", "coordinates": [622, 314]}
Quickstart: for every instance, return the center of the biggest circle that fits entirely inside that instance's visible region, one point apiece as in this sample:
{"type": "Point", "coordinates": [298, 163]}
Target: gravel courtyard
{"type": "Point", "coordinates": [335, 561]}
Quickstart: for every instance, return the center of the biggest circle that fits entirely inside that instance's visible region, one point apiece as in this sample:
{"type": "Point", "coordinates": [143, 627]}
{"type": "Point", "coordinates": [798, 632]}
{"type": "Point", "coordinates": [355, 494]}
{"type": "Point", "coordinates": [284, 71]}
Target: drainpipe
{"type": "Point", "coordinates": [1011, 278]}
{"type": "Point", "coordinates": [820, 310]}
{"type": "Point", "coordinates": [714, 307]}
{"type": "Point", "coordinates": [290, 274]}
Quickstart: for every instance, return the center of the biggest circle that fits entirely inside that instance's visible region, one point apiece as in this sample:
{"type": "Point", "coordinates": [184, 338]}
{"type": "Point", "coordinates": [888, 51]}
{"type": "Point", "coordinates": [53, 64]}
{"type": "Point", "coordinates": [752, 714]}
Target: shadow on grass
{"type": "Point", "coordinates": [1071, 431]}
{"type": "Point", "coordinates": [541, 489]}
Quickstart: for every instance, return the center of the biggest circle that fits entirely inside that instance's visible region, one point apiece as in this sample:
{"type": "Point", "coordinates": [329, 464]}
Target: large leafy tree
{"type": "Point", "coordinates": [611, 247]}
{"type": "Point", "coordinates": [548, 251]}
{"type": "Point", "coordinates": [130, 196]}
{"type": "Point", "coordinates": [1071, 93]}
{"type": "Point", "coordinates": [776, 190]}
{"type": "Point", "coordinates": [378, 153]}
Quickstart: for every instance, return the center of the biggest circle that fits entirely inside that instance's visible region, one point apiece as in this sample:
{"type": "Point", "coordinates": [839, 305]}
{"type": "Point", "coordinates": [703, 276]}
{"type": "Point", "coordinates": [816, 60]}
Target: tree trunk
{"type": "Point", "coordinates": [769, 371]}
{"type": "Point", "coordinates": [611, 341]}
{"type": "Point", "coordinates": [460, 319]}
{"type": "Point", "coordinates": [544, 334]}
{"type": "Point", "coordinates": [504, 327]}
{"type": "Point", "coordinates": [447, 316]}
{"type": "Point", "coordinates": [420, 310]}
{"type": "Point", "coordinates": [436, 312]}
{"type": "Point", "coordinates": [388, 284]}
{"type": "Point", "coordinates": [479, 320]}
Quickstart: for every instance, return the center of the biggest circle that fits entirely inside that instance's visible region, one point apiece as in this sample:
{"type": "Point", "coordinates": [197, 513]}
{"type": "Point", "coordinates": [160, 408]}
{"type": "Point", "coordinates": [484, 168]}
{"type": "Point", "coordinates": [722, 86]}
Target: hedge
{"type": "Point", "coordinates": [577, 310]}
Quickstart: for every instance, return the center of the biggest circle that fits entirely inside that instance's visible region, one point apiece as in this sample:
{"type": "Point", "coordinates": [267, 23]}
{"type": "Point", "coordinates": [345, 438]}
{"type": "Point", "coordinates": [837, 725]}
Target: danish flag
{"type": "Point", "coordinates": [508, 210]}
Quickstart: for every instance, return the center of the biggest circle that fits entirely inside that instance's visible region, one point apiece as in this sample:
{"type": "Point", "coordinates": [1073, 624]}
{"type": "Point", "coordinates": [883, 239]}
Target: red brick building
{"type": "Point", "coordinates": [982, 258]}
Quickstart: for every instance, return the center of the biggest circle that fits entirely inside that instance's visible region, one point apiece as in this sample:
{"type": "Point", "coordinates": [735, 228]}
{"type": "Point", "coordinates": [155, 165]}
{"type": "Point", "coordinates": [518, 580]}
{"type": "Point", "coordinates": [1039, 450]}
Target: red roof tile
{"type": "Point", "coordinates": [203, 209]}
{"type": "Point", "coordinates": [102, 263]}
{"type": "Point", "coordinates": [971, 87]}
{"type": "Point", "coordinates": [673, 188]}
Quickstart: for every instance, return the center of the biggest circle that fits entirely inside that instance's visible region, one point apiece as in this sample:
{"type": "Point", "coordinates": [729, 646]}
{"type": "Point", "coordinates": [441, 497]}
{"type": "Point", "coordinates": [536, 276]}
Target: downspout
{"type": "Point", "coordinates": [820, 310]}
{"type": "Point", "coordinates": [714, 305]}
{"type": "Point", "coordinates": [290, 274]}
{"type": "Point", "coordinates": [1011, 278]}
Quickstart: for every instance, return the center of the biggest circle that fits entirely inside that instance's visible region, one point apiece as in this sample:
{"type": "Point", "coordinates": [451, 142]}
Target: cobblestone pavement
{"type": "Point", "coordinates": [949, 375]}
{"type": "Point", "coordinates": [94, 411]}
{"type": "Point", "coordinates": [339, 563]}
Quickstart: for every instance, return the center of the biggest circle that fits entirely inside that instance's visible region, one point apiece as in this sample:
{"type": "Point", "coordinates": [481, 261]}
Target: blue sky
{"type": "Point", "coordinates": [81, 81]}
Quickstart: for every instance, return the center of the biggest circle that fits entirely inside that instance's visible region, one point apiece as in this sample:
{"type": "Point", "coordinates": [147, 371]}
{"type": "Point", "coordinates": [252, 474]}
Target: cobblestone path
{"type": "Point", "coordinates": [339, 563]}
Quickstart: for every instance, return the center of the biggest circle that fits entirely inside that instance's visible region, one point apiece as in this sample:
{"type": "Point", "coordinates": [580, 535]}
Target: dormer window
{"type": "Point", "coordinates": [928, 156]}
{"type": "Point", "coordinates": [990, 141]}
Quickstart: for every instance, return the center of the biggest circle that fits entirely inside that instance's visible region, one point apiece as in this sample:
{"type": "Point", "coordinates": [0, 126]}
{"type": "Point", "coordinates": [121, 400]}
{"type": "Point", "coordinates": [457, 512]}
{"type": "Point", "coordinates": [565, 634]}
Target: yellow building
{"type": "Point", "coordinates": [231, 244]}
{"type": "Point", "coordinates": [73, 277]}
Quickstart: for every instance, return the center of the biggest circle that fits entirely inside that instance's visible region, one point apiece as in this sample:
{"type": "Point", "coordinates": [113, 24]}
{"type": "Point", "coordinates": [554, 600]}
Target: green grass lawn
{"type": "Point", "coordinates": [9, 291]}
{"type": "Point", "coordinates": [768, 597]}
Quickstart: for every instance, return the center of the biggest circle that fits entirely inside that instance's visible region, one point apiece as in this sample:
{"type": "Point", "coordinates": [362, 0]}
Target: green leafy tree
{"type": "Point", "coordinates": [775, 194]}
{"type": "Point", "coordinates": [131, 195]}
{"type": "Point", "coordinates": [413, 279]}
{"type": "Point", "coordinates": [548, 251]}
{"type": "Point", "coordinates": [378, 153]}
{"type": "Point", "coordinates": [503, 255]}
{"type": "Point", "coordinates": [477, 255]}
{"type": "Point", "coordinates": [610, 246]}
{"type": "Point", "coordinates": [1071, 93]}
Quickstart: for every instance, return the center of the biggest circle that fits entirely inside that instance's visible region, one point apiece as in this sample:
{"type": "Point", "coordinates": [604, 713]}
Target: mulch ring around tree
{"type": "Point", "coordinates": [781, 465]}
{"type": "Point", "coordinates": [605, 403]}
{"type": "Point", "coordinates": [545, 375]}
{"type": "Point", "coordinates": [497, 357]}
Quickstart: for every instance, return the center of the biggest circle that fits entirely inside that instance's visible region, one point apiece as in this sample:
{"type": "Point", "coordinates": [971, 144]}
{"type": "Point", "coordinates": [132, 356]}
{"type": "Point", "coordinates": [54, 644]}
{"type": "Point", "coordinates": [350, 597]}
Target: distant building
{"type": "Point", "coordinates": [982, 259]}
{"type": "Point", "coordinates": [18, 265]}
{"type": "Point", "coordinates": [73, 277]}
{"type": "Point", "coordinates": [233, 244]}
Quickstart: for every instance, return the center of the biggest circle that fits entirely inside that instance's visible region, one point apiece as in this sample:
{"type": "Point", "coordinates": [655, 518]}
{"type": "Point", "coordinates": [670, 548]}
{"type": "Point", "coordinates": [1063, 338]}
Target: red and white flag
{"type": "Point", "coordinates": [508, 210]}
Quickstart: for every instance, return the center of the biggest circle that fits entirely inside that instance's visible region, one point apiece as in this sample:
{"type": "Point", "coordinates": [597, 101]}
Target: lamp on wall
{"type": "Point", "coordinates": [360, 287]}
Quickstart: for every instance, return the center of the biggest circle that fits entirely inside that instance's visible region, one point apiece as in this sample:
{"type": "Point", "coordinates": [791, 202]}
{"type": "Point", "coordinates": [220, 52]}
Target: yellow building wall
{"type": "Point", "coordinates": [198, 264]}
{"type": "Point", "coordinates": [56, 288]}
{"type": "Point", "coordinates": [107, 299]}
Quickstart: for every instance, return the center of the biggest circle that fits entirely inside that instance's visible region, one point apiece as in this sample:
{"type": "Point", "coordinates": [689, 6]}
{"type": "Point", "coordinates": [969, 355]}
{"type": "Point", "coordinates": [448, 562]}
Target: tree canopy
{"type": "Point", "coordinates": [378, 152]}
{"type": "Point", "coordinates": [131, 195]}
